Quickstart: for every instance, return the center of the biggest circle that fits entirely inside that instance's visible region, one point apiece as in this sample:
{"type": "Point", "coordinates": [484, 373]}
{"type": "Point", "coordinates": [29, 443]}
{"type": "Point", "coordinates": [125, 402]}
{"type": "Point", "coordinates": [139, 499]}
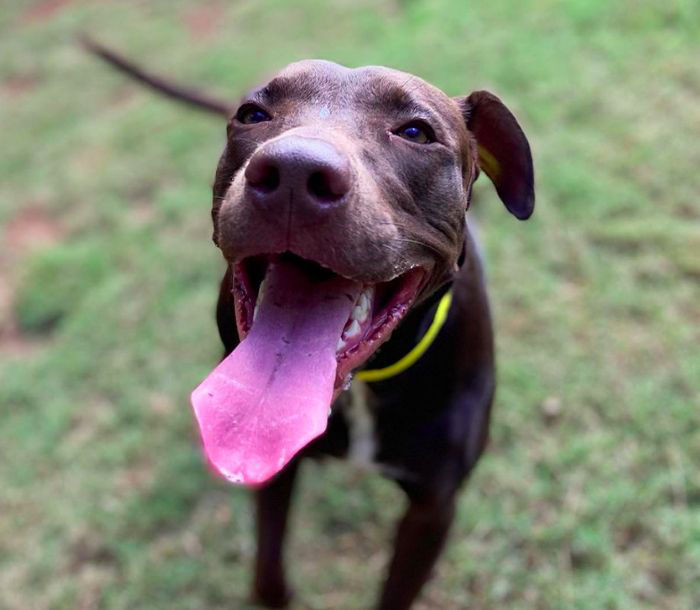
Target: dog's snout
{"type": "Point", "coordinates": [310, 173]}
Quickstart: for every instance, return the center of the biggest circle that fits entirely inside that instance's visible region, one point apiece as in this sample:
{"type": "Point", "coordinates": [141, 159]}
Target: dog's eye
{"type": "Point", "coordinates": [416, 131]}
{"type": "Point", "coordinates": [250, 113]}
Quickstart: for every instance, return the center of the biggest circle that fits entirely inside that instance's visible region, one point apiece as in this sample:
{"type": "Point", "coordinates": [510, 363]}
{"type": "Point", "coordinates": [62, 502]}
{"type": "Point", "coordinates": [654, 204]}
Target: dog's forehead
{"type": "Point", "coordinates": [312, 79]}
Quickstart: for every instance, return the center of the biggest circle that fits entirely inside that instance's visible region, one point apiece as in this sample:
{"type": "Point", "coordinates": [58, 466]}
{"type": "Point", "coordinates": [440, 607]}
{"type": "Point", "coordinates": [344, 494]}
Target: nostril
{"type": "Point", "coordinates": [263, 176]}
{"type": "Point", "coordinates": [318, 186]}
{"type": "Point", "coordinates": [327, 187]}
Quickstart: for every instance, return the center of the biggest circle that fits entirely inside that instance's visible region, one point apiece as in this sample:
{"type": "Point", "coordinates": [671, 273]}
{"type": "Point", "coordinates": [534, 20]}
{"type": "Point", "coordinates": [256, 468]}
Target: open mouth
{"type": "Point", "coordinates": [375, 312]}
{"type": "Point", "coordinates": [303, 329]}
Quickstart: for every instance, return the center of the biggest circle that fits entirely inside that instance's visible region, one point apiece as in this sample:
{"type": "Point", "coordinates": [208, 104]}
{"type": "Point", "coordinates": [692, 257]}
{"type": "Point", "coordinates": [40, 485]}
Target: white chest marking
{"type": "Point", "coordinates": [363, 442]}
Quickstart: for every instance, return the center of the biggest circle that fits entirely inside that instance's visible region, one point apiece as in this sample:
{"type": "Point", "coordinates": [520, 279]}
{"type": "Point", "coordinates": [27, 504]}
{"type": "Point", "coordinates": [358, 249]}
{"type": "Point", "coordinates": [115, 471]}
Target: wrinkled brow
{"type": "Point", "coordinates": [377, 94]}
{"type": "Point", "coordinates": [384, 97]}
{"type": "Point", "coordinates": [282, 87]}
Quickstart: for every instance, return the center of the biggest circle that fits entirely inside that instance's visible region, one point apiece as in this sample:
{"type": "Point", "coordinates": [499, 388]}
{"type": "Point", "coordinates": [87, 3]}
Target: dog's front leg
{"type": "Point", "coordinates": [272, 509]}
{"type": "Point", "coordinates": [419, 540]}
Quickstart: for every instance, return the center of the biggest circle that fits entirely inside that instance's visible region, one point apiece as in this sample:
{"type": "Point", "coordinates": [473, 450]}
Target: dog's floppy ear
{"type": "Point", "coordinates": [504, 152]}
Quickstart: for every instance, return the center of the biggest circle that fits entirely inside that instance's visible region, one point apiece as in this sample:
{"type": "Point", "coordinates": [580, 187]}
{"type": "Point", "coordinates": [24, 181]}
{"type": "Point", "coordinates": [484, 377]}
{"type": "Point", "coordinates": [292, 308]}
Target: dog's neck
{"type": "Point", "coordinates": [417, 324]}
{"type": "Point", "coordinates": [408, 335]}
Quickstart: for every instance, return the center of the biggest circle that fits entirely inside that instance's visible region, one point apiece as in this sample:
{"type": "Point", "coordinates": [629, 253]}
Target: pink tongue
{"type": "Point", "coordinates": [271, 395]}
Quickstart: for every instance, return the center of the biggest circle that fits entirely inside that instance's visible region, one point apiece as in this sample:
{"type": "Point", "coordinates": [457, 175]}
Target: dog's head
{"type": "Point", "coordinates": [364, 172]}
{"type": "Point", "coordinates": [339, 202]}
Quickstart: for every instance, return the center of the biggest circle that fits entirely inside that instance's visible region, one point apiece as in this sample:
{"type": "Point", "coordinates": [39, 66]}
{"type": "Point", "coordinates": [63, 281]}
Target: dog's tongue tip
{"type": "Point", "coordinates": [270, 397]}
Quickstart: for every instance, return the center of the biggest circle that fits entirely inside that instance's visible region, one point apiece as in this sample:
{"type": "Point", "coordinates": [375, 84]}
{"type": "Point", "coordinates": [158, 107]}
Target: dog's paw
{"type": "Point", "coordinates": [271, 595]}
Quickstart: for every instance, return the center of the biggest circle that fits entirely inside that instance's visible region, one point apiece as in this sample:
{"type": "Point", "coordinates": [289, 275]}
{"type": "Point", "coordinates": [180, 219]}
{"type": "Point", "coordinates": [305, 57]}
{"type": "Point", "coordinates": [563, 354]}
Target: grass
{"type": "Point", "coordinates": [589, 496]}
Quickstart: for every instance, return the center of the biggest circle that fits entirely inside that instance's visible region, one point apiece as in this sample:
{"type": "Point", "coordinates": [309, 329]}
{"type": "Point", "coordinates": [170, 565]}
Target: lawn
{"type": "Point", "coordinates": [589, 495]}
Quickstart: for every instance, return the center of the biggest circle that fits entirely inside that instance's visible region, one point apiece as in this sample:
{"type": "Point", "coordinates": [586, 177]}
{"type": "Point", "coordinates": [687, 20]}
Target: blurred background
{"type": "Point", "coordinates": [589, 496]}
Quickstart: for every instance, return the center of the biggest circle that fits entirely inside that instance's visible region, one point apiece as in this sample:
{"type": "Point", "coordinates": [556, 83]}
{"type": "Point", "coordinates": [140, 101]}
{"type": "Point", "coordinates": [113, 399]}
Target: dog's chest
{"type": "Point", "coordinates": [358, 413]}
{"type": "Point", "coordinates": [353, 434]}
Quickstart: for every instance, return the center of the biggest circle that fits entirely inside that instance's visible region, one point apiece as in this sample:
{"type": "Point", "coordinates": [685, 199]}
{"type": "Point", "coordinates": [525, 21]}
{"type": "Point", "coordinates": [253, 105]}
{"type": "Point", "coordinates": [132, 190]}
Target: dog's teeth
{"type": "Point", "coordinates": [352, 330]}
{"type": "Point", "coordinates": [363, 305]}
{"type": "Point", "coordinates": [358, 317]}
{"type": "Point", "coordinates": [360, 310]}
{"type": "Point", "coordinates": [261, 291]}
{"type": "Point", "coordinates": [369, 298]}
{"type": "Point", "coordinates": [260, 297]}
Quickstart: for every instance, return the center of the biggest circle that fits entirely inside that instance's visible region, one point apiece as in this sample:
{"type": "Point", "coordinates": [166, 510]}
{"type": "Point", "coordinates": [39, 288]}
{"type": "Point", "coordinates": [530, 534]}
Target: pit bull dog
{"type": "Point", "coordinates": [339, 204]}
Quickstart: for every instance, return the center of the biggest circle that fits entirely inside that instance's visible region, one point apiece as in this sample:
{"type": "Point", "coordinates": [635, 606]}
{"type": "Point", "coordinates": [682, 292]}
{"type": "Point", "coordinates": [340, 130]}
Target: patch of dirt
{"type": "Point", "coordinates": [161, 404]}
{"type": "Point", "coordinates": [135, 478]}
{"type": "Point", "coordinates": [29, 230]}
{"type": "Point", "coordinates": [203, 21]}
{"type": "Point", "coordinates": [44, 10]}
{"type": "Point", "coordinates": [88, 548]}
{"type": "Point", "coordinates": [88, 424]}
{"type": "Point", "coordinates": [92, 564]}
{"type": "Point", "coordinates": [122, 96]}
{"type": "Point", "coordinates": [19, 84]}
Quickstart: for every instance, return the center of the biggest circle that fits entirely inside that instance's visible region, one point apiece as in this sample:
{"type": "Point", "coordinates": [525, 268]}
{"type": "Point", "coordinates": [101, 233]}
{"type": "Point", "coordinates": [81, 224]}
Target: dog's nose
{"type": "Point", "coordinates": [308, 173]}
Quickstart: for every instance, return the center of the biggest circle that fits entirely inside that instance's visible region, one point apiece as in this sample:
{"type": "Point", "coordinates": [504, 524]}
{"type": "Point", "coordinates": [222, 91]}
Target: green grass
{"type": "Point", "coordinates": [589, 496]}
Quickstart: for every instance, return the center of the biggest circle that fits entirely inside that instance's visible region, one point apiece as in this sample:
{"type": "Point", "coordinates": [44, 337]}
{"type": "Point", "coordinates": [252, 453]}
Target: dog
{"type": "Point", "coordinates": [339, 204]}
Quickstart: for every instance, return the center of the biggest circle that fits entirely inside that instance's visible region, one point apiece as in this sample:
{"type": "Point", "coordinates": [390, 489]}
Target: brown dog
{"type": "Point", "coordinates": [339, 204]}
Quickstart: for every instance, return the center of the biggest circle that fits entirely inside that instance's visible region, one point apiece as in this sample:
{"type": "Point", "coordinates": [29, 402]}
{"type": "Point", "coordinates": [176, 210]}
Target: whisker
{"type": "Point", "coordinates": [244, 140]}
{"type": "Point", "coordinates": [417, 242]}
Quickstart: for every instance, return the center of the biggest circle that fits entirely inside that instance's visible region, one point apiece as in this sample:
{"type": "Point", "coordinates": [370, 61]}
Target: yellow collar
{"type": "Point", "coordinates": [421, 347]}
